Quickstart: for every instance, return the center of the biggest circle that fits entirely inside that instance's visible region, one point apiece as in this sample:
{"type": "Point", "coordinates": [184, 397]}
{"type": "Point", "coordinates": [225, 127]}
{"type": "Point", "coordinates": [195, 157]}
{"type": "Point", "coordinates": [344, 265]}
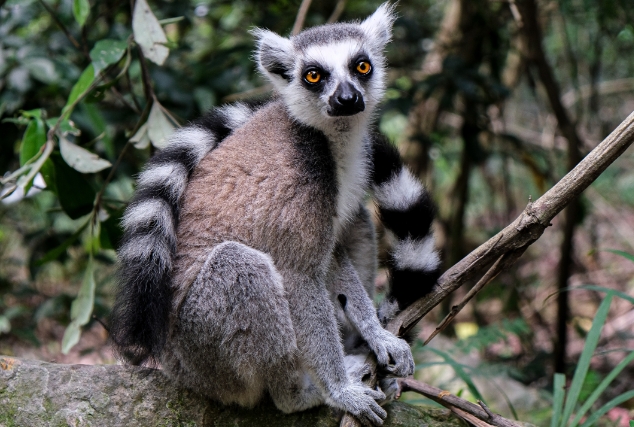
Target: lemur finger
{"type": "Point", "coordinates": [382, 357]}
{"type": "Point", "coordinates": [375, 394]}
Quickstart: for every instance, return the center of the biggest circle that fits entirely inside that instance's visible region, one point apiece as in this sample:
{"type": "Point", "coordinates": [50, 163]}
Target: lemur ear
{"type": "Point", "coordinates": [274, 55]}
{"type": "Point", "coordinates": [379, 25]}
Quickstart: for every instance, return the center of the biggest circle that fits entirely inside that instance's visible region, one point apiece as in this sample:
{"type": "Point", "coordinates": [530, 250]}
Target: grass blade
{"type": "Point", "coordinates": [605, 408]}
{"type": "Point", "coordinates": [460, 372]}
{"type": "Point", "coordinates": [601, 387]}
{"type": "Point", "coordinates": [616, 293]}
{"type": "Point", "coordinates": [586, 356]}
{"type": "Point", "coordinates": [558, 398]}
{"type": "Point", "coordinates": [621, 253]}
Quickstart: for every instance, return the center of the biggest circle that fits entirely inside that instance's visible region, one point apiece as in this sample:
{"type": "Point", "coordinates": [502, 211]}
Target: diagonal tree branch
{"type": "Point", "coordinates": [525, 230]}
{"type": "Point", "coordinates": [301, 17]}
{"type": "Point", "coordinates": [452, 402]}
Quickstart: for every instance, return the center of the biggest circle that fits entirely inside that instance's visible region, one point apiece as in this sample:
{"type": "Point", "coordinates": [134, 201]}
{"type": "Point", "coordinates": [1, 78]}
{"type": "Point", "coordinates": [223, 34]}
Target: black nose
{"type": "Point", "coordinates": [346, 101]}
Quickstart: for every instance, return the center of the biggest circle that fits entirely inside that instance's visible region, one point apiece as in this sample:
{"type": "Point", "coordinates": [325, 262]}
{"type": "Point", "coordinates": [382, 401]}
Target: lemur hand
{"type": "Point", "coordinates": [360, 401]}
{"type": "Point", "coordinates": [393, 354]}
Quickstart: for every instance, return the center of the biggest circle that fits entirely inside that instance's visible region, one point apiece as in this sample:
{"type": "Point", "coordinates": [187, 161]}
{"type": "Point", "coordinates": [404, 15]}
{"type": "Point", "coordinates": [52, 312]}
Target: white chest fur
{"type": "Point", "coordinates": [352, 166]}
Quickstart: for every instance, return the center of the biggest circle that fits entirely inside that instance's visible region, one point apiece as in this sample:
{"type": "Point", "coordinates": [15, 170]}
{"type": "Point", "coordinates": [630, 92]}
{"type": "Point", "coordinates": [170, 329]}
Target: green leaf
{"type": "Point", "coordinates": [148, 33]}
{"type": "Point", "coordinates": [5, 325]}
{"type": "Point", "coordinates": [616, 293]}
{"type": "Point", "coordinates": [107, 52]}
{"type": "Point", "coordinates": [75, 195]}
{"type": "Point", "coordinates": [621, 253]}
{"type": "Point", "coordinates": [71, 336]}
{"type": "Point", "coordinates": [605, 408]}
{"type": "Point", "coordinates": [80, 88]}
{"type": "Point", "coordinates": [66, 127]}
{"type": "Point", "coordinates": [159, 126]}
{"type": "Point", "coordinates": [111, 231]}
{"type": "Point", "coordinates": [140, 139]}
{"type": "Point", "coordinates": [586, 356]}
{"type": "Point", "coordinates": [34, 139]}
{"type": "Point", "coordinates": [81, 10]}
{"type": "Point", "coordinates": [81, 159]}
{"type": "Point", "coordinates": [601, 388]}
{"type": "Point", "coordinates": [48, 173]}
{"type": "Point", "coordinates": [460, 372]}
{"type": "Point", "coordinates": [558, 398]}
{"type": "Point", "coordinates": [631, 423]}
{"type": "Point", "coordinates": [81, 309]}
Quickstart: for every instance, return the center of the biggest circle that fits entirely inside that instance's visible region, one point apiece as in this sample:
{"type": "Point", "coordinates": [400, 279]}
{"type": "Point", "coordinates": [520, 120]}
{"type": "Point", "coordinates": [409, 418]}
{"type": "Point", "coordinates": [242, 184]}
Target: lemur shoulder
{"type": "Point", "coordinates": [248, 259]}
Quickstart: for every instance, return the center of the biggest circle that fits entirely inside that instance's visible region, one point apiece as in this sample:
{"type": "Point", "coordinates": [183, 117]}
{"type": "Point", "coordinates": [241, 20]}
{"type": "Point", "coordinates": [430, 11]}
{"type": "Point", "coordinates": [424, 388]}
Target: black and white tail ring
{"type": "Point", "coordinates": [407, 211]}
{"type": "Point", "coordinates": [139, 320]}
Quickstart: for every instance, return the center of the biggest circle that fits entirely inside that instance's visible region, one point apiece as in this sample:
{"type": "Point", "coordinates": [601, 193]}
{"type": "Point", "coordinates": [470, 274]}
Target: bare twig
{"type": "Point", "coordinates": [148, 90]}
{"type": "Point", "coordinates": [144, 114]}
{"type": "Point", "coordinates": [62, 27]}
{"type": "Point", "coordinates": [336, 13]}
{"type": "Point", "coordinates": [452, 402]}
{"type": "Point", "coordinates": [486, 409]}
{"type": "Point", "coordinates": [471, 419]}
{"type": "Point", "coordinates": [124, 101]}
{"type": "Point", "coordinates": [516, 13]}
{"type": "Point", "coordinates": [301, 17]}
{"type": "Point", "coordinates": [251, 93]}
{"type": "Point", "coordinates": [490, 275]}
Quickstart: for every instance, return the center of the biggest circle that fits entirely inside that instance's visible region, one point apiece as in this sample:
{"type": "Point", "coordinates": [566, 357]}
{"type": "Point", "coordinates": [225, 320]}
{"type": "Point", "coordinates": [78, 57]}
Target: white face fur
{"type": "Point", "coordinates": [331, 77]}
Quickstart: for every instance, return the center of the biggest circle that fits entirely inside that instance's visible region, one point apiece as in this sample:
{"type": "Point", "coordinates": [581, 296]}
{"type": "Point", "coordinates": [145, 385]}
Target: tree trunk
{"type": "Point", "coordinates": [537, 58]}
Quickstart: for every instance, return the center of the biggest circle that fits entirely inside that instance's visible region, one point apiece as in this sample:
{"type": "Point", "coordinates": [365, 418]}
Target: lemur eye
{"type": "Point", "coordinates": [312, 76]}
{"type": "Point", "coordinates": [364, 67]}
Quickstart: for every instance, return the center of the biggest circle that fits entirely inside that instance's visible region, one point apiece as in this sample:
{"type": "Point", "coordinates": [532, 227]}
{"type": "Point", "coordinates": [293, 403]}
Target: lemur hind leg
{"type": "Point", "coordinates": [233, 330]}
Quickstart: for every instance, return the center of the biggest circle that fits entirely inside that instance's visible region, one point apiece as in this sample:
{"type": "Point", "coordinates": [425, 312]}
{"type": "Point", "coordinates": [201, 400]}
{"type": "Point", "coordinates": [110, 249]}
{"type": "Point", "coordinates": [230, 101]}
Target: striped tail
{"type": "Point", "coordinates": [407, 210]}
{"type": "Point", "coordinates": [139, 318]}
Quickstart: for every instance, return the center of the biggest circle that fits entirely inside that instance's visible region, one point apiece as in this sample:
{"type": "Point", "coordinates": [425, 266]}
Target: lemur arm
{"type": "Point", "coordinates": [317, 338]}
{"type": "Point", "coordinates": [393, 354]}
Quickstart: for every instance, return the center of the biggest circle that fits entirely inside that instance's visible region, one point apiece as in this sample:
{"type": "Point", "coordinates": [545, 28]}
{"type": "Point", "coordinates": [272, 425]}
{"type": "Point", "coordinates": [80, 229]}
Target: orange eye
{"type": "Point", "coordinates": [364, 67]}
{"type": "Point", "coordinates": [312, 76]}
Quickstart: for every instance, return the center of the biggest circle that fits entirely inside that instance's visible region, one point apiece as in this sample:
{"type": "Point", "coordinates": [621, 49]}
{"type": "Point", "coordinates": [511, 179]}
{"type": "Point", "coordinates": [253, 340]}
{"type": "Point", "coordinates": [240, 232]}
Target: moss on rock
{"type": "Point", "coordinates": [34, 393]}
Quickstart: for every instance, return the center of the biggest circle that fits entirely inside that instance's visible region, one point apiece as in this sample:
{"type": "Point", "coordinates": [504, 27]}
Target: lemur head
{"type": "Point", "coordinates": [332, 74]}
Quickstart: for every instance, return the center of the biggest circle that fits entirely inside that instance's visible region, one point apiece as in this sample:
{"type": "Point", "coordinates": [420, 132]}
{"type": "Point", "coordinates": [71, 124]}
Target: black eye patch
{"type": "Point", "coordinates": [354, 64]}
{"type": "Point", "coordinates": [313, 77]}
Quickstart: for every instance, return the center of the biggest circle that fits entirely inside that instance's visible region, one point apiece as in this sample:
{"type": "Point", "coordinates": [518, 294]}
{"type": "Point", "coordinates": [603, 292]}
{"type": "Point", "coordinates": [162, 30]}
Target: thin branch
{"type": "Point", "coordinates": [131, 89]}
{"type": "Point", "coordinates": [336, 13]}
{"type": "Point", "coordinates": [124, 101]}
{"type": "Point", "coordinates": [301, 17]}
{"type": "Point", "coordinates": [144, 114]}
{"type": "Point", "coordinates": [250, 93]}
{"type": "Point", "coordinates": [490, 275]}
{"type": "Point", "coordinates": [148, 90]}
{"type": "Point", "coordinates": [470, 419]}
{"type": "Point", "coordinates": [486, 409]}
{"type": "Point", "coordinates": [452, 402]}
{"type": "Point", "coordinates": [62, 27]}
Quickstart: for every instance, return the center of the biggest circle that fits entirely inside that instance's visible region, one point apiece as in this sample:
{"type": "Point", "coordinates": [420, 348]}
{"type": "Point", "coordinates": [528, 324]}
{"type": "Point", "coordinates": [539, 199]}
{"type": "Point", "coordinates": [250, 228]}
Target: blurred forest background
{"type": "Point", "coordinates": [490, 102]}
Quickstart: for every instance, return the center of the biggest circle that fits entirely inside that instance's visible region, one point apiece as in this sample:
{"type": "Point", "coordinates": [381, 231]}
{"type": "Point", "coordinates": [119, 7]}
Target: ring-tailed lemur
{"type": "Point", "coordinates": [248, 260]}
